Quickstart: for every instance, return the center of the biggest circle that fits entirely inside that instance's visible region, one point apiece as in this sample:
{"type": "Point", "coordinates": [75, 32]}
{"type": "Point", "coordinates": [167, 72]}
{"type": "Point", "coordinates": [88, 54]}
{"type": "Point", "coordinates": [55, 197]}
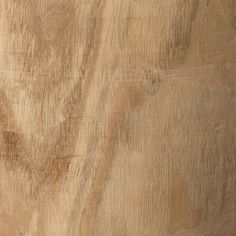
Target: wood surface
{"type": "Point", "coordinates": [117, 118]}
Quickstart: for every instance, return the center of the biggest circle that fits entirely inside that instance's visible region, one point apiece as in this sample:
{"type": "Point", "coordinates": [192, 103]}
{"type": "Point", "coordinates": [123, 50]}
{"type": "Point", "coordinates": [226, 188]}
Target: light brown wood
{"type": "Point", "coordinates": [117, 118]}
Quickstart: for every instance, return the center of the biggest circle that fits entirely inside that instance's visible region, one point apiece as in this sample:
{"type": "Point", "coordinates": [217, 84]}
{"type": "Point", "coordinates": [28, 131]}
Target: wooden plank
{"type": "Point", "coordinates": [117, 118]}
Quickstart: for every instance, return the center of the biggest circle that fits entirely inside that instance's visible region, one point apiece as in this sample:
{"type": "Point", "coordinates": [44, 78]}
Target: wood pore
{"type": "Point", "coordinates": [117, 118]}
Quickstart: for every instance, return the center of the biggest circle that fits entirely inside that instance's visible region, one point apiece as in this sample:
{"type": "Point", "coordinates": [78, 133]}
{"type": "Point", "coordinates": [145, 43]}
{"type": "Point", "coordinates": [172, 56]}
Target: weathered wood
{"type": "Point", "coordinates": [117, 118]}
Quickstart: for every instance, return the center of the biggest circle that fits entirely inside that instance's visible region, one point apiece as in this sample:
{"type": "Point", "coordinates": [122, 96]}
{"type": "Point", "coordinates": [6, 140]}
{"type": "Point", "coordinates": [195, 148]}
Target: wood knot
{"type": "Point", "coordinates": [12, 139]}
{"type": "Point", "coordinates": [152, 81]}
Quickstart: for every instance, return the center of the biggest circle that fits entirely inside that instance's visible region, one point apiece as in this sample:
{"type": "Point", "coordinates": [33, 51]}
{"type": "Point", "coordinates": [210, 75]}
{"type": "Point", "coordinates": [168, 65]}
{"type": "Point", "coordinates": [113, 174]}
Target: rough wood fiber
{"type": "Point", "coordinates": [117, 118]}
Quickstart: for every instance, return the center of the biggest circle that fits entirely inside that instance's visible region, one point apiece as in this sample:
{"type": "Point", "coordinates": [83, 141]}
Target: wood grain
{"type": "Point", "coordinates": [117, 118]}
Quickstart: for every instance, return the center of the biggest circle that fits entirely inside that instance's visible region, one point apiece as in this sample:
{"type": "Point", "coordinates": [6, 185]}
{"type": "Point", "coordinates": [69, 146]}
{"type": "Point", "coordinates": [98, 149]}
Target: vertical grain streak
{"type": "Point", "coordinates": [131, 96]}
{"type": "Point", "coordinates": [76, 101]}
{"type": "Point", "coordinates": [179, 37]}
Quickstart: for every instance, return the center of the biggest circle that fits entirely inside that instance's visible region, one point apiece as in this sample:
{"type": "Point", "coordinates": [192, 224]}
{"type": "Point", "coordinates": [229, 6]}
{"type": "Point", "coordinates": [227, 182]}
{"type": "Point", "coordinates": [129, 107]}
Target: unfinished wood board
{"type": "Point", "coordinates": [117, 118]}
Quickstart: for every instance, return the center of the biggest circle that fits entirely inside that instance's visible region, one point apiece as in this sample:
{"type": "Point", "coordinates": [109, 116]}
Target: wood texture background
{"type": "Point", "coordinates": [117, 118]}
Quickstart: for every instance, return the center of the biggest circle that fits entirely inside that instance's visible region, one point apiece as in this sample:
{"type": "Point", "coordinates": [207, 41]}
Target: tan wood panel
{"type": "Point", "coordinates": [117, 118]}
